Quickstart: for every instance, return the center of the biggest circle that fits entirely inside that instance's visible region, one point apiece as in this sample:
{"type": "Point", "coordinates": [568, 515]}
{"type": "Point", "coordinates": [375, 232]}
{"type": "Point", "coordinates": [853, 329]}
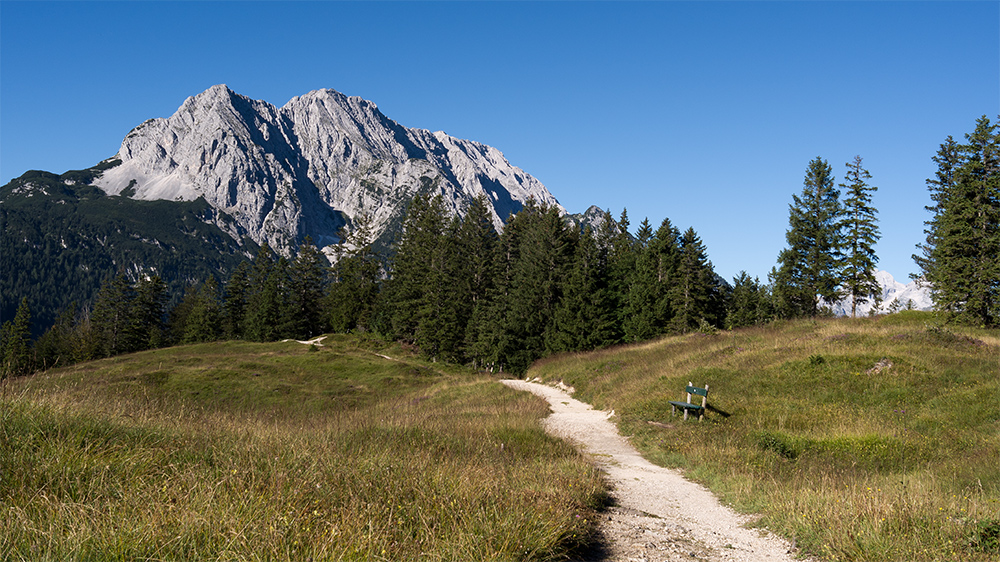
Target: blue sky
{"type": "Point", "coordinates": [706, 113]}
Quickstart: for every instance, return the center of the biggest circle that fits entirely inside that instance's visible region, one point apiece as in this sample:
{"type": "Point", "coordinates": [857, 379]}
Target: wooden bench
{"type": "Point", "coordinates": [690, 407]}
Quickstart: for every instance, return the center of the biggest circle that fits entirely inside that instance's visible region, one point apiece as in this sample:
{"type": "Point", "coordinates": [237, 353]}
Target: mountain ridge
{"type": "Point", "coordinates": [309, 167]}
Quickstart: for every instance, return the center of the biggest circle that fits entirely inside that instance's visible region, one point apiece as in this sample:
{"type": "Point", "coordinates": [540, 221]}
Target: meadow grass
{"type": "Point", "coordinates": [242, 451]}
{"type": "Point", "coordinates": [868, 439]}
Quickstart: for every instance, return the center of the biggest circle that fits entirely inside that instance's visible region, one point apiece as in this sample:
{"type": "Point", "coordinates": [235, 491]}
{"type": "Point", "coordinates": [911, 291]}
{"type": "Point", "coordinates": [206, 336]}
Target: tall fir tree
{"type": "Point", "coordinates": [15, 337]}
{"type": "Point", "coordinates": [940, 186]}
{"type": "Point", "coordinates": [148, 312]}
{"type": "Point", "coordinates": [306, 291]}
{"type": "Point", "coordinates": [692, 292]}
{"type": "Point", "coordinates": [353, 291]}
{"type": "Point", "coordinates": [265, 317]}
{"type": "Point", "coordinates": [959, 258]}
{"type": "Point", "coordinates": [478, 240]}
{"type": "Point", "coordinates": [55, 347]}
{"type": "Point", "coordinates": [749, 303]}
{"type": "Point", "coordinates": [234, 302]}
{"type": "Point", "coordinates": [586, 317]}
{"type": "Point", "coordinates": [648, 304]}
{"type": "Point", "coordinates": [416, 253]}
{"type": "Point", "coordinates": [536, 250]}
{"type": "Point", "coordinates": [204, 321]}
{"type": "Point", "coordinates": [808, 269]}
{"type": "Point", "coordinates": [111, 319]}
{"type": "Point", "coordinates": [443, 313]}
{"type": "Point", "coordinates": [861, 234]}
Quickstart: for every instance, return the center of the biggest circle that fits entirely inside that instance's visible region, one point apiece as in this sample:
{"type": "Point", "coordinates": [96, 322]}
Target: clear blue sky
{"type": "Point", "coordinates": [703, 112]}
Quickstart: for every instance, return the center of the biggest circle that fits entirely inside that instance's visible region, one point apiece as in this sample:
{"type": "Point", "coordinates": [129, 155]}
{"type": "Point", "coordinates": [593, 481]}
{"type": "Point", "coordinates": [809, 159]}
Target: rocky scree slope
{"type": "Point", "coordinates": [310, 167]}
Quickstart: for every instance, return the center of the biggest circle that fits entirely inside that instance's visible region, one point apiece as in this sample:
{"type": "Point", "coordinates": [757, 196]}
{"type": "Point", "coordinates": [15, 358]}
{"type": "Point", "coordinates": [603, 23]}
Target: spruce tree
{"type": "Point", "coordinates": [353, 291]}
{"type": "Point", "coordinates": [111, 319]}
{"type": "Point", "coordinates": [148, 310]}
{"type": "Point", "coordinates": [444, 309]}
{"type": "Point", "coordinates": [963, 238]}
{"type": "Point", "coordinates": [416, 252]}
{"type": "Point", "coordinates": [307, 288]}
{"type": "Point", "coordinates": [692, 292]}
{"type": "Point", "coordinates": [478, 240]}
{"type": "Point", "coordinates": [808, 269]}
{"type": "Point", "coordinates": [237, 293]}
{"type": "Point", "coordinates": [16, 343]}
{"type": "Point", "coordinates": [535, 252]}
{"type": "Point", "coordinates": [55, 346]}
{"type": "Point", "coordinates": [204, 322]}
{"type": "Point", "coordinates": [648, 304]}
{"type": "Point", "coordinates": [264, 319]}
{"type": "Point", "coordinates": [749, 303]}
{"type": "Point", "coordinates": [586, 317]}
{"type": "Point", "coordinates": [861, 233]}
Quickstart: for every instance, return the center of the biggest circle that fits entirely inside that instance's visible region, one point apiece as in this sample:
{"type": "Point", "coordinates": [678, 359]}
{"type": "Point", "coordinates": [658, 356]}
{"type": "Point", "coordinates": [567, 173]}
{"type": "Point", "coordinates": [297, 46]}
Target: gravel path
{"type": "Point", "coordinates": [657, 515]}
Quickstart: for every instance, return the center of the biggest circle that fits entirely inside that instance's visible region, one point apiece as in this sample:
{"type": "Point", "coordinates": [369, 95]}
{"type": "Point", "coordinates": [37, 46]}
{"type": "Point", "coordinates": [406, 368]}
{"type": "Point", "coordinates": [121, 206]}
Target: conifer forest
{"type": "Point", "coordinates": [459, 291]}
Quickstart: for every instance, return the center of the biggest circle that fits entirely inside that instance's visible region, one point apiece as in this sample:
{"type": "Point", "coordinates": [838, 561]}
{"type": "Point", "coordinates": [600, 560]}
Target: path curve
{"type": "Point", "coordinates": [657, 515]}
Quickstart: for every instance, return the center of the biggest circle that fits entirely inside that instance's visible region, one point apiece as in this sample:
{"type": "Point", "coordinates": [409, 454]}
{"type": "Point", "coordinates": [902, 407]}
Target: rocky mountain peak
{"type": "Point", "coordinates": [312, 166]}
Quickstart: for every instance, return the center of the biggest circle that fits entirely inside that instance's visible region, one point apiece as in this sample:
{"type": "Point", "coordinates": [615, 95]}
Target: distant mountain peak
{"type": "Point", "coordinates": [894, 295]}
{"type": "Point", "coordinates": [308, 167]}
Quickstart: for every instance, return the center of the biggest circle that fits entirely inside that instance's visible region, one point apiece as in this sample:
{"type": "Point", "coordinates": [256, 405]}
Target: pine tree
{"type": "Point", "coordinates": [237, 294]}
{"type": "Point", "coordinates": [415, 253]}
{"type": "Point", "coordinates": [692, 292]}
{"type": "Point", "coordinates": [204, 322]}
{"type": "Point", "coordinates": [308, 285]}
{"type": "Point", "coordinates": [749, 303]}
{"type": "Point", "coordinates": [648, 305]}
{"type": "Point", "coordinates": [861, 233]}
{"type": "Point", "coordinates": [16, 343]}
{"type": "Point", "coordinates": [586, 317]}
{"type": "Point", "coordinates": [963, 238]}
{"type": "Point", "coordinates": [353, 292]}
{"type": "Point", "coordinates": [808, 269]}
{"type": "Point", "coordinates": [111, 319]}
{"type": "Point", "coordinates": [55, 347]}
{"type": "Point", "coordinates": [147, 316]}
{"type": "Point", "coordinates": [478, 241]}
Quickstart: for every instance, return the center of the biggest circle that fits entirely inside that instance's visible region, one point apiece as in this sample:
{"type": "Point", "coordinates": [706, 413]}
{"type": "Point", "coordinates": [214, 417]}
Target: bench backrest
{"type": "Point", "coordinates": [699, 391]}
{"type": "Point", "coordinates": [703, 392]}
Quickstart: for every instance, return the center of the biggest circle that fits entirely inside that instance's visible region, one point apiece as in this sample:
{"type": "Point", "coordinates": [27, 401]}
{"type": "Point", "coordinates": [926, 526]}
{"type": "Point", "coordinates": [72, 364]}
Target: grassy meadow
{"type": "Point", "coordinates": [283, 451]}
{"type": "Point", "coordinates": [865, 440]}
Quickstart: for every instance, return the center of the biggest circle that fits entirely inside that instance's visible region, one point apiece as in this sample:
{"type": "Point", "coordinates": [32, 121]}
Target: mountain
{"type": "Point", "coordinates": [307, 168]}
{"type": "Point", "coordinates": [191, 195]}
{"type": "Point", "coordinates": [895, 296]}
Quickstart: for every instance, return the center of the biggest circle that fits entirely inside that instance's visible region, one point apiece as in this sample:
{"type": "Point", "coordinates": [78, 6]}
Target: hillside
{"type": "Point", "coordinates": [62, 237]}
{"type": "Point", "coordinates": [870, 439]}
{"type": "Point", "coordinates": [347, 449]}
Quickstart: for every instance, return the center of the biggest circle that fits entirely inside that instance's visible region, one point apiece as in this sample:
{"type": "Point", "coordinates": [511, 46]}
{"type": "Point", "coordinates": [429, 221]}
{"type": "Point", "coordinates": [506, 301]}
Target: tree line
{"type": "Point", "coordinates": [461, 292]}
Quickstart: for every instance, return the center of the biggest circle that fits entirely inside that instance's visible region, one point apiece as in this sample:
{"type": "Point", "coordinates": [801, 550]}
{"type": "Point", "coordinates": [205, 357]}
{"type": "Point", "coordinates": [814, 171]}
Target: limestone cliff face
{"type": "Point", "coordinates": [276, 175]}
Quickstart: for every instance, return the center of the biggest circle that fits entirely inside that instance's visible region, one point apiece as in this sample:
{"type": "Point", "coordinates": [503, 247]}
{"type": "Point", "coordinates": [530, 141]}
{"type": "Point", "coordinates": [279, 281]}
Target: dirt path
{"type": "Point", "coordinates": [657, 516]}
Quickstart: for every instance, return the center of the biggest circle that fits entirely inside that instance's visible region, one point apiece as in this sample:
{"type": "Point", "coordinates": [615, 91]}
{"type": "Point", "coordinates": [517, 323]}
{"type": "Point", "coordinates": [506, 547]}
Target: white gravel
{"type": "Point", "coordinates": [657, 515]}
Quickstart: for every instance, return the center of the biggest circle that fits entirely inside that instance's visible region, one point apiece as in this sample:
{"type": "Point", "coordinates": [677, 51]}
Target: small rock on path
{"type": "Point", "coordinates": [657, 515]}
